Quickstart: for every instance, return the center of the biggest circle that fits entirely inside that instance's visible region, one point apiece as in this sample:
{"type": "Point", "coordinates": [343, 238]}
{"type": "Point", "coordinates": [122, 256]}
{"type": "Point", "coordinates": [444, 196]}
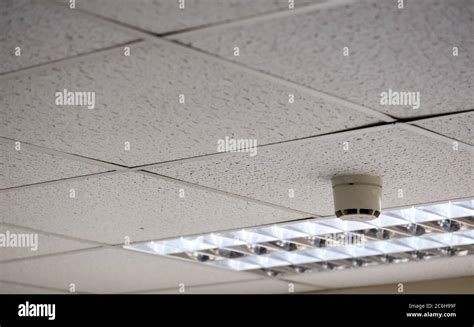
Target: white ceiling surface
{"type": "Point", "coordinates": [425, 169]}
{"type": "Point", "coordinates": [28, 167]}
{"type": "Point", "coordinates": [46, 33]}
{"type": "Point", "coordinates": [165, 16]}
{"type": "Point", "coordinates": [109, 208]}
{"type": "Point", "coordinates": [137, 102]}
{"type": "Point", "coordinates": [260, 286]}
{"type": "Point", "coordinates": [404, 50]}
{"type": "Point", "coordinates": [387, 274]}
{"type": "Point", "coordinates": [114, 271]}
{"type": "Point", "coordinates": [10, 288]}
{"type": "Point", "coordinates": [457, 126]}
{"type": "Point", "coordinates": [47, 244]}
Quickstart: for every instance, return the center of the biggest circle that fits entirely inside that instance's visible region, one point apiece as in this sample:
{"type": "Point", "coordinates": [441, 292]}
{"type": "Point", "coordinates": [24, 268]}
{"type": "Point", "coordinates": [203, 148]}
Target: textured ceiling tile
{"type": "Point", "coordinates": [29, 167]}
{"type": "Point", "coordinates": [253, 287]}
{"type": "Point", "coordinates": [262, 286]}
{"type": "Point", "coordinates": [41, 244]}
{"type": "Point", "coordinates": [404, 50]}
{"type": "Point", "coordinates": [395, 273]}
{"type": "Point", "coordinates": [459, 126]}
{"type": "Point", "coordinates": [137, 101]}
{"type": "Point", "coordinates": [165, 16]}
{"type": "Point", "coordinates": [7, 288]}
{"type": "Point", "coordinates": [462, 285]}
{"type": "Point", "coordinates": [45, 33]}
{"type": "Point", "coordinates": [425, 169]}
{"type": "Point", "coordinates": [109, 208]}
{"type": "Point", "coordinates": [114, 271]}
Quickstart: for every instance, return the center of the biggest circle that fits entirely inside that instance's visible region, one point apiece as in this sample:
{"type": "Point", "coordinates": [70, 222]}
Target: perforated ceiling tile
{"type": "Point", "coordinates": [111, 208]}
{"type": "Point", "coordinates": [462, 285]}
{"type": "Point", "coordinates": [262, 286]}
{"type": "Point", "coordinates": [298, 174]}
{"type": "Point", "coordinates": [458, 126]}
{"type": "Point", "coordinates": [8, 288]}
{"type": "Point", "coordinates": [164, 16]}
{"type": "Point", "coordinates": [44, 33]}
{"type": "Point", "coordinates": [113, 271]}
{"type": "Point", "coordinates": [398, 273]}
{"type": "Point", "coordinates": [137, 100]}
{"type": "Point", "coordinates": [28, 167]}
{"type": "Point", "coordinates": [20, 243]}
{"type": "Point", "coordinates": [403, 50]}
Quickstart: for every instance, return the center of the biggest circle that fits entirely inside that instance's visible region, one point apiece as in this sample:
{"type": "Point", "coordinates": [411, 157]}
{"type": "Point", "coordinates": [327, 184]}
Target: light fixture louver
{"type": "Point", "coordinates": [399, 235]}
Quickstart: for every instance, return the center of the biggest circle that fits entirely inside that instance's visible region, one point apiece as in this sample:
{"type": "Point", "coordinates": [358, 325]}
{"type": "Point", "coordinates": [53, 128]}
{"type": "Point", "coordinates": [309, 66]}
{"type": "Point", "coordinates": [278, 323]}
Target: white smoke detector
{"type": "Point", "coordinates": [357, 197]}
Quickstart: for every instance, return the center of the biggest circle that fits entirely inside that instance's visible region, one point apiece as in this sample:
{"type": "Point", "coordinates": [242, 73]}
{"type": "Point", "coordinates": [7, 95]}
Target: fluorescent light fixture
{"type": "Point", "coordinates": [265, 261]}
{"type": "Point", "coordinates": [398, 235]}
{"type": "Point", "coordinates": [420, 243]}
{"type": "Point", "coordinates": [282, 233]}
{"type": "Point", "coordinates": [386, 220]}
{"type": "Point", "coordinates": [345, 225]}
{"type": "Point", "coordinates": [388, 247]}
{"type": "Point", "coordinates": [235, 265]}
{"type": "Point", "coordinates": [456, 238]}
{"type": "Point", "coordinates": [327, 254]}
{"type": "Point", "coordinates": [250, 236]}
{"type": "Point", "coordinates": [294, 258]}
{"type": "Point", "coordinates": [311, 227]}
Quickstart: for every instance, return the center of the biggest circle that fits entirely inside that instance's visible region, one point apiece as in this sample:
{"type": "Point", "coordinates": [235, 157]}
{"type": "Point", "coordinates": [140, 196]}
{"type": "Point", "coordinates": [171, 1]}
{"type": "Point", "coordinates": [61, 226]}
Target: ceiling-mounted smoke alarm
{"type": "Point", "coordinates": [357, 197]}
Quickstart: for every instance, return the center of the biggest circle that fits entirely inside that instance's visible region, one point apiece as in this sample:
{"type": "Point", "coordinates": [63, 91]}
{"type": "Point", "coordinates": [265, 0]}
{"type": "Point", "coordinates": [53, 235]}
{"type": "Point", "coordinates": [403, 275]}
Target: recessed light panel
{"type": "Point", "coordinates": [417, 233]}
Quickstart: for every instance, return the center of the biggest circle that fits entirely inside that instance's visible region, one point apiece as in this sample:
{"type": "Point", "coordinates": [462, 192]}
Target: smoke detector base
{"type": "Point", "coordinates": [357, 197]}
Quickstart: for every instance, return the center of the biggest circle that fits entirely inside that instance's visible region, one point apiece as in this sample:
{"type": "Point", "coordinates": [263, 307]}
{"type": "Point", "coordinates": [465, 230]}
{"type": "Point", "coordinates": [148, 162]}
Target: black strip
{"type": "Point", "coordinates": [169, 310]}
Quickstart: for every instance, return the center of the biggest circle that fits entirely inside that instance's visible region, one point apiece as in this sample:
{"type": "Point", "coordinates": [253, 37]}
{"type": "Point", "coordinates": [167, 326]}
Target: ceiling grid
{"type": "Point", "coordinates": [67, 176]}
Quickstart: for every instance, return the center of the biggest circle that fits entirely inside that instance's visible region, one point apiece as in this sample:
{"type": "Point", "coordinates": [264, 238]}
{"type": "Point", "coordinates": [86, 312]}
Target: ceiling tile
{"type": "Point", "coordinates": [254, 287]}
{"type": "Point", "coordinates": [462, 285]}
{"type": "Point", "coordinates": [408, 49]}
{"type": "Point", "coordinates": [425, 169]}
{"type": "Point", "coordinates": [109, 208]}
{"type": "Point", "coordinates": [113, 271]}
{"type": "Point", "coordinates": [396, 273]}
{"type": "Point", "coordinates": [164, 16]}
{"type": "Point", "coordinates": [29, 167]}
{"type": "Point", "coordinates": [41, 244]}
{"type": "Point", "coordinates": [262, 286]}
{"type": "Point", "coordinates": [457, 126]}
{"type": "Point", "coordinates": [8, 288]}
{"type": "Point", "coordinates": [45, 33]}
{"type": "Point", "coordinates": [137, 101]}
